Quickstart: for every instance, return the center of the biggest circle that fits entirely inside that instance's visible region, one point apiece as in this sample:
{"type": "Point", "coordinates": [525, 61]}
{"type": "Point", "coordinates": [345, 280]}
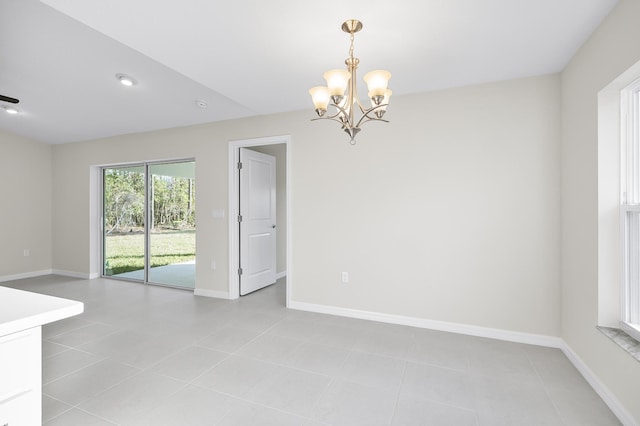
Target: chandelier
{"type": "Point", "coordinates": [346, 106]}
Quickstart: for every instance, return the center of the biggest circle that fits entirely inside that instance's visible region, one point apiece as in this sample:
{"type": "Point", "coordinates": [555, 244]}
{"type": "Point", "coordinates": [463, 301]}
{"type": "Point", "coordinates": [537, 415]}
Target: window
{"type": "Point", "coordinates": [630, 208]}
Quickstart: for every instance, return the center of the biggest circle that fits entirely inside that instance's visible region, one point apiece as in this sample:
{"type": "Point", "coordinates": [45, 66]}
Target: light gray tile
{"type": "Point", "coordinates": [425, 382]}
{"type": "Point", "coordinates": [50, 349]}
{"type": "Point", "coordinates": [555, 369]}
{"type": "Point", "coordinates": [128, 398]}
{"type": "Point", "coordinates": [229, 339]}
{"type": "Point", "coordinates": [290, 390]}
{"type": "Point", "coordinates": [327, 360]}
{"type": "Point", "coordinates": [151, 351]}
{"type": "Point", "coordinates": [117, 343]}
{"type": "Point", "coordinates": [192, 405]}
{"type": "Point", "coordinates": [293, 329]}
{"type": "Point", "coordinates": [271, 348]}
{"type": "Point", "coordinates": [52, 408]}
{"type": "Point", "coordinates": [414, 412]}
{"type": "Point", "coordinates": [63, 326]}
{"type": "Point", "coordinates": [256, 321]}
{"type": "Point", "coordinates": [256, 415]}
{"type": "Point", "coordinates": [89, 381]}
{"type": "Point", "coordinates": [189, 362]}
{"type": "Point", "coordinates": [506, 402]}
{"type": "Point", "coordinates": [373, 370]}
{"type": "Point", "coordinates": [82, 335]}
{"type": "Point", "coordinates": [333, 335]}
{"type": "Point", "coordinates": [388, 344]}
{"type": "Point", "coordinates": [441, 349]}
{"type": "Point", "coordinates": [77, 417]}
{"type": "Point", "coordinates": [351, 404]}
{"type": "Point", "coordinates": [509, 383]}
{"type": "Point", "coordinates": [66, 362]}
{"type": "Point", "coordinates": [495, 358]}
{"type": "Point", "coordinates": [582, 407]}
{"type": "Point", "coordinates": [235, 375]}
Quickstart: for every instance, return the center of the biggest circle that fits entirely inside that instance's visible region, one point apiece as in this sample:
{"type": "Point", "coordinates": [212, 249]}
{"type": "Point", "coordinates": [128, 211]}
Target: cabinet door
{"type": "Point", "coordinates": [20, 412]}
{"type": "Point", "coordinates": [21, 371]}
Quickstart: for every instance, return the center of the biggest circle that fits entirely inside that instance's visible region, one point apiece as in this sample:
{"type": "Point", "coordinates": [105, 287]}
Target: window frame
{"type": "Point", "coordinates": [630, 208]}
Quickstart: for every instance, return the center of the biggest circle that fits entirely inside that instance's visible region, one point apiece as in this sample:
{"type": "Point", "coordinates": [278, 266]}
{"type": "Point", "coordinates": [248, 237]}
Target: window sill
{"type": "Point", "coordinates": [622, 339]}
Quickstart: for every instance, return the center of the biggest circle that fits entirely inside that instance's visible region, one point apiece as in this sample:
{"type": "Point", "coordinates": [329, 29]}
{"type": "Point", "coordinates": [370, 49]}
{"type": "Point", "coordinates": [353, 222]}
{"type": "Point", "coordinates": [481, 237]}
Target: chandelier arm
{"type": "Point", "coordinates": [342, 123]}
{"type": "Point", "coordinates": [366, 115]}
{"type": "Point", "coordinates": [341, 111]}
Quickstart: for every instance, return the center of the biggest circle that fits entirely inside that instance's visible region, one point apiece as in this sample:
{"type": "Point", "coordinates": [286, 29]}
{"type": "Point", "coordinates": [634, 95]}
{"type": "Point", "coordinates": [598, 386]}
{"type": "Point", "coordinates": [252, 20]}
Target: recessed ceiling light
{"type": "Point", "coordinates": [126, 80]}
{"type": "Point", "coordinates": [11, 110]}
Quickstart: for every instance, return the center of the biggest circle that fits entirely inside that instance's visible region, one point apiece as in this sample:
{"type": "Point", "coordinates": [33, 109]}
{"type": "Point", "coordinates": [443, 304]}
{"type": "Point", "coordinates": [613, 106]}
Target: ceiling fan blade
{"type": "Point", "coordinates": [8, 99]}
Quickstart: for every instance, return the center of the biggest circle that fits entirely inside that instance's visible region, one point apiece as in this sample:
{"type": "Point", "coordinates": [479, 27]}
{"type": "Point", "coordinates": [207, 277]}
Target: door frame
{"type": "Point", "coordinates": [234, 230]}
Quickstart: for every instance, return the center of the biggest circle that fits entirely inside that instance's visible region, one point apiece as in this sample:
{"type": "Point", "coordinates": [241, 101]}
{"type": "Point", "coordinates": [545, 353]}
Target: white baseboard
{"type": "Point", "coordinates": [72, 274]}
{"type": "Point", "coordinates": [612, 402]}
{"type": "Point", "coordinates": [211, 293]}
{"type": "Point", "coordinates": [25, 275]}
{"type": "Point", "coordinates": [281, 275]}
{"type": "Point", "coordinates": [472, 330]}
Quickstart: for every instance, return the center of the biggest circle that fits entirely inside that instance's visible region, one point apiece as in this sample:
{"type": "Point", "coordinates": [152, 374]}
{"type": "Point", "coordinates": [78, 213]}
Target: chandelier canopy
{"type": "Point", "coordinates": [346, 106]}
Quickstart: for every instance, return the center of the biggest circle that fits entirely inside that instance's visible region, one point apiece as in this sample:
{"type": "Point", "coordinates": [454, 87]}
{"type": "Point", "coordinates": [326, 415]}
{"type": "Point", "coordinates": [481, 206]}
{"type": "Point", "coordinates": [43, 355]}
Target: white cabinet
{"type": "Point", "coordinates": [20, 378]}
{"type": "Point", "coordinates": [22, 315]}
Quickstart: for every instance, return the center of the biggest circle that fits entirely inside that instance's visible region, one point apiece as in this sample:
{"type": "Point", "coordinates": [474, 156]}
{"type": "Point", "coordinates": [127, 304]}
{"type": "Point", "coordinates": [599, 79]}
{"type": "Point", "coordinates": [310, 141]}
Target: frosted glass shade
{"type": "Point", "coordinates": [377, 82]}
{"type": "Point", "coordinates": [320, 97]}
{"type": "Point", "coordinates": [337, 81]}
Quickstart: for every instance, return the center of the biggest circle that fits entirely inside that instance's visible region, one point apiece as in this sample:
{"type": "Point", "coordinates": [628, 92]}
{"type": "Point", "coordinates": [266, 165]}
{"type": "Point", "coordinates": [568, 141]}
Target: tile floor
{"type": "Point", "coordinates": [143, 355]}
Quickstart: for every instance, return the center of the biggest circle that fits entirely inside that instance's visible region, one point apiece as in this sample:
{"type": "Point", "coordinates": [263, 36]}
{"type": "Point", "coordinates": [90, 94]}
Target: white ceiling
{"type": "Point", "coordinates": [254, 57]}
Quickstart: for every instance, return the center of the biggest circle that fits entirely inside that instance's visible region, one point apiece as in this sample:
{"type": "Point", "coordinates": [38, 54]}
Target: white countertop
{"type": "Point", "coordinates": [21, 310]}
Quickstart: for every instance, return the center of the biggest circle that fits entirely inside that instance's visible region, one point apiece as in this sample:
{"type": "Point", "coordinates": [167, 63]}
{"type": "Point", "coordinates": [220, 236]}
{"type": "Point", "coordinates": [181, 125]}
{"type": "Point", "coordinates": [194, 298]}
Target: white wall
{"type": "Point", "coordinates": [610, 51]}
{"type": "Point", "coordinates": [25, 207]}
{"type": "Point", "coordinates": [450, 212]}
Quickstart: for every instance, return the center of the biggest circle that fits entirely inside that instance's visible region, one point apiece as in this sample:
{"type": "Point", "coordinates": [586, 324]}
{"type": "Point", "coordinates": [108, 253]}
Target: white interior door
{"type": "Point", "coordinates": [257, 220]}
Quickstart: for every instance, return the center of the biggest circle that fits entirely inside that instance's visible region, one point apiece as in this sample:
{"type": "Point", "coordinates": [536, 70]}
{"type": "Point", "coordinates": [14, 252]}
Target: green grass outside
{"type": "Point", "coordinates": [125, 252]}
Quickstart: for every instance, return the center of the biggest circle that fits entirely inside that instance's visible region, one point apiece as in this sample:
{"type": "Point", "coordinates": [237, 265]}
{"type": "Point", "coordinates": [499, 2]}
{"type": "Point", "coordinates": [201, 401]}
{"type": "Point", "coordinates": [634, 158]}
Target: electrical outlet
{"type": "Point", "coordinates": [345, 277]}
{"type": "Point", "coordinates": [26, 252]}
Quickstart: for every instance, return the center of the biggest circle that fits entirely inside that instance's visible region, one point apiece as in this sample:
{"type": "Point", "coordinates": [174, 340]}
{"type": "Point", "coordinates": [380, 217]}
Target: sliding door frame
{"type": "Point", "coordinates": [148, 212]}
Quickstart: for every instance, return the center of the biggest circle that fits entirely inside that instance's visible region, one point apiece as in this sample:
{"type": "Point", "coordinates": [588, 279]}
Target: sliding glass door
{"type": "Point", "coordinates": [172, 224]}
{"type": "Point", "coordinates": [149, 223]}
{"type": "Point", "coordinates": [124, 221]}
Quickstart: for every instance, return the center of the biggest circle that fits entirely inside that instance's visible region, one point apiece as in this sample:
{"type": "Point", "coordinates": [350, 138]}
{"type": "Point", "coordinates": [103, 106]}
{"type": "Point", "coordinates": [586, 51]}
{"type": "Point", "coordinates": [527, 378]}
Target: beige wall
{"type": "Point", "coordinates": [610, 51]}
{"type": "Point", "coordinates": [450, 212]}
{"type": "Point", "coordinates": [25, 206]}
